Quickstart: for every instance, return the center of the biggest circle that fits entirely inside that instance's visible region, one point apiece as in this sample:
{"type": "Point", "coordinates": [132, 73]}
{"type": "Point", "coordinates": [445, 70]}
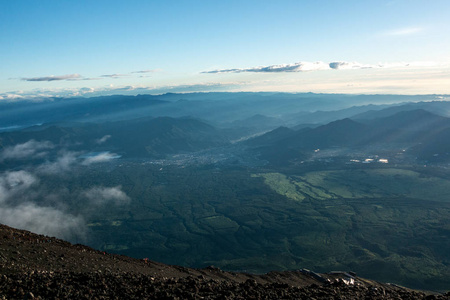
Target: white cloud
{"type": "Point", "coordinates": [11, 96]}
{"type": "Point", "coordinates": [63, 163]}
{"type": "Point", "coordinates": [308, 66]}
{"type": "Point", "coordinates": [15, 179]}
{"type": "Point", "coordinates": [253, 80]}
{"type": "Point", "coordinates": [114, 75]}
{"type": "Point", "coordinates": [126, 88]}
{"type": "Point", "coordinates": [295, 67]}
{"type": "Point", "coordinates": [404, 31]}
{"type": "Point", "coordinates": [198, 87]}
{"type": "Point", "coordinates": [146, 71]}
{"type": "Point", "coordinates": [43, 220]}
{"type": "Point", "coordinates": [103, 139]}
{"type": "Point", "coordinates": [43, 94]}
{"type": "Point", "coordinates": [30, 149]}
{"type": "Point", "coordinates": [343, 65]}
{"type": "Point", "coordinates": [99, 158]}
{"type": "Point", "coordinates": [17, 189]}
{"type": "Point", "coordinates": [105, 195]}
{"type": "Point", "coordinates": [14, 183]}
{"type": "Point", "coordinates": [86, 90]}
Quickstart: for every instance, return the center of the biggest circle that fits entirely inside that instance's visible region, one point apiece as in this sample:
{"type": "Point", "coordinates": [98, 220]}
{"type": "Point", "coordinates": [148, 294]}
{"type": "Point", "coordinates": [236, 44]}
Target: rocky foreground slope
{"type": "Point", "coordinates": [39, 267]}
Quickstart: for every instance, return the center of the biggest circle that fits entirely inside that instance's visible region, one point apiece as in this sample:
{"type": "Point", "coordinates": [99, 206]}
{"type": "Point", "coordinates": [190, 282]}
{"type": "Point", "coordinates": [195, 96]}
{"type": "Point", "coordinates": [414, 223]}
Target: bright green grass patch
{"type": "Point", "coordinates": [220, 223]}
{"type": "Point", "coordinates": [376, 183]}
{"type": "Point", "coordinates": [354, 184]}
{"type": "Point", "coordinates": [336, 183]}
{"type": "Point", "coordinates": [282, 185]}
{"type": "Point", "coordinates": [312, 191]}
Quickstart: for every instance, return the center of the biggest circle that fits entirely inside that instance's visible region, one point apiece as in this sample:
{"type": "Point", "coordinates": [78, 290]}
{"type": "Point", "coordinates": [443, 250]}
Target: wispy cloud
{"type": "Point", "coordinates": [103, 139]}
{"type": "Point", "coordinates": [181, 88]}
{"type": "Point", "coordinates": [45, 93]}
{"type": "Point", "coordinates": [18, 190]}
{"type": "Point", "coordinates": [344, 65]}
{"type": "Point", "coordinates": [295, 67]}
{"type": "Point", "coordinates": [86, 90]}
{"type": "Point", "coordinates": [43, 220]}
{"type": "Point", "coordinates": [145, 71]}
{"type": "Point", "coordinates": [99, 158]}
{"type": "Point", "coordinates": [29, 200]}
{"type": "Point", "coordinates": [30, 149]}
{"type": "Point", "coordinates": [63, 163]}
{"type": "Point", "coordinates": [404, 31]}
{"type": "Point", "coordinates": [126, 88]}
{"type": "Point", "coordinates": [203, 87]}
{"type": "Point", "coordinates": [307, 67]}
{"type": "Point", "coordinates": [88, 78]}
{"type": "Point", "coordinates": [11, 96]}
{"type": "Point", "coordinates": [114, 75]}
{"type": "Point", "coordinates": [54, 78]}
{"type": "Point", "coordinates": [14, 183]}
{"type": "Point", "coordinates": [78, 77]}
{"type": "Point", "coordinates": [106, 195]}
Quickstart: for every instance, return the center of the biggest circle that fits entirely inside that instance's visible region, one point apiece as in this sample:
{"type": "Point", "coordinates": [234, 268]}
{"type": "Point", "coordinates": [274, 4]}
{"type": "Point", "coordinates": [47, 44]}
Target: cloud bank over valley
{"type": "Point", "coordinates": [29, 200]}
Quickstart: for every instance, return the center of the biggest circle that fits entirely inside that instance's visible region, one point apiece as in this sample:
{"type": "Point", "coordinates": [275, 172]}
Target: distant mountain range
{"type": "Point", "coordinates": [219, 108]}
{"type": "Point", "coordinates": [145, 137]}
{"type": "Point", "coordinates": [427, 135]}
{"type": "Point", "coordinates": [424, 132]}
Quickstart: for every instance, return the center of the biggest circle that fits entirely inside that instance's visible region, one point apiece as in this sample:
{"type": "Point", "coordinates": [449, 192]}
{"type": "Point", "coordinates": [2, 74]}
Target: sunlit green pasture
{"type": "Point", "coordinates": [363, 183]}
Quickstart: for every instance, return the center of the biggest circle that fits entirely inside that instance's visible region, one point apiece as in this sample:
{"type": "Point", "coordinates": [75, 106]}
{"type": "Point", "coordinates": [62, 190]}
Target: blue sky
{"type": "Point", "coordinates": [70, 48]}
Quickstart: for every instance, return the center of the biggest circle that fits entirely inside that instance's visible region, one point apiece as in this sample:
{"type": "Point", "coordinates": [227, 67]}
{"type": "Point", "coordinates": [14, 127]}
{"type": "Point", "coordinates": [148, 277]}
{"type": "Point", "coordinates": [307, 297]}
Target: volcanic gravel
{"type": "Point", "coordinates": [40, 267]}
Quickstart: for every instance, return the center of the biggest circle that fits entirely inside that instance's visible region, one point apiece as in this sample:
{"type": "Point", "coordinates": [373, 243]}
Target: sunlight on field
{"type": "Point", "coordinates": [372, 183]}
{"type": "Point", "coordinates": [282, 185]}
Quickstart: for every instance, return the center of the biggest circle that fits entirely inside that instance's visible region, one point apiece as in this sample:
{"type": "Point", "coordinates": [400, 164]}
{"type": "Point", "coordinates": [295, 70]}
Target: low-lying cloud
{"type": "Point", "coordinates": [28, 150]}
{"type": "Point", "coordinates": [64, 160]}
{"type": "Point", "coordinates": [103, 139]}
{"type": "Point", "coordinates": [43, 220]}
{"type": "Point", "coordinates": [45, 94]}
{"type": "Point", "coordinates": [107, 195]}
{"type": "Point", "coordinates": [30, 200]}
{"type": "Point", "coordinates": [14, 184]}
{"type": "Point", "coordinates": [18, 192]}
{"type": "Point", "coordinates": [99, 158]}
{"type": "Point", "coordinates": [27, 203]}
{"type": "Point", "coordinates": [63, 163]}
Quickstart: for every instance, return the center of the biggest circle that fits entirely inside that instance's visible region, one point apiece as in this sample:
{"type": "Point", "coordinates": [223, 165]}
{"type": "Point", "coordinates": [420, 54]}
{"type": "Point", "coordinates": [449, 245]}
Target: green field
{"type": "Point", "coordinates": [389, 224]}
{"type": "Point", "coordinates": [282, 185]}
{"type": "Point", "coordinates": [352, 184]}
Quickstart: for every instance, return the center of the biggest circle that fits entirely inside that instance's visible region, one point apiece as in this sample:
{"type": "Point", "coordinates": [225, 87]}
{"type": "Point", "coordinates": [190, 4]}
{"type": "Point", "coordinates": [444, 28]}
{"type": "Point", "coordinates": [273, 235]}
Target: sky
{"type": "Point", "coordinates": [60, 48]}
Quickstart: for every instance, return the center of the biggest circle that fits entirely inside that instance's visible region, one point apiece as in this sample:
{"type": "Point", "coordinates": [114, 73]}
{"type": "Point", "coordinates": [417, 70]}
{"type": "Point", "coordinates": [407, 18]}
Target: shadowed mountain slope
{"type": "Point", "coordinates": [424, 133]}
{"type": "Point", "coordinates": [412, 126]}
{"type": "Point", "coordinates": [145, 137]}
